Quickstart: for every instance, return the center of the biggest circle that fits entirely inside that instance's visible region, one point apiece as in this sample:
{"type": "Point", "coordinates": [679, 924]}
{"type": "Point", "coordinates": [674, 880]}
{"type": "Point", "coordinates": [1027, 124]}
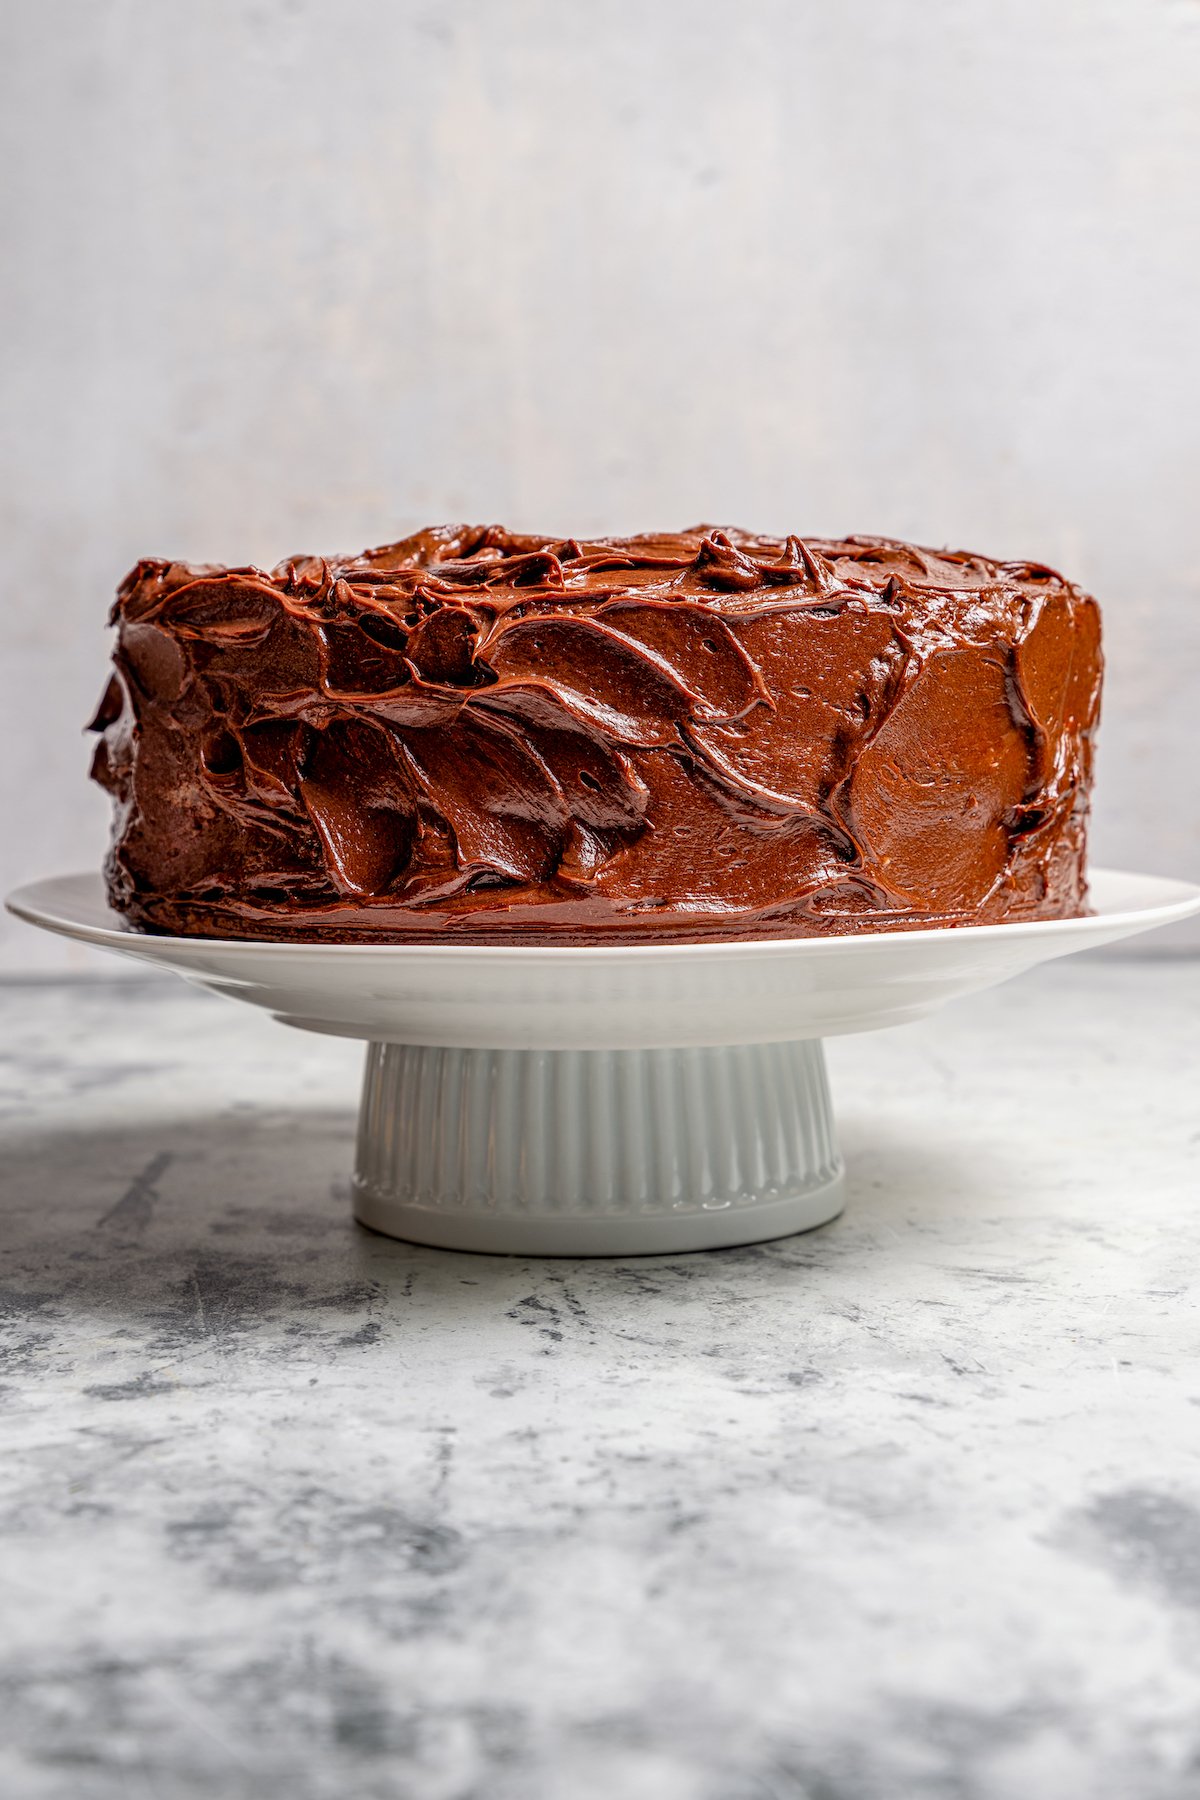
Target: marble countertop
{"type": "Point", "coordinates": [908, 1506]}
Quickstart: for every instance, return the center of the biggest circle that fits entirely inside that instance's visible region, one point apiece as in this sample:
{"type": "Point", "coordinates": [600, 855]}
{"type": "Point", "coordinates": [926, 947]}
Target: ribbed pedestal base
{"type": "Point", "coordinates": [596, 1152]}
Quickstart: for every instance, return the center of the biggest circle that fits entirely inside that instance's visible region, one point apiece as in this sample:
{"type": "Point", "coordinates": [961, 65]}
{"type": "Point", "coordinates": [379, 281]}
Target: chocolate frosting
{"type": "Point", "coordinates": [706, 734]}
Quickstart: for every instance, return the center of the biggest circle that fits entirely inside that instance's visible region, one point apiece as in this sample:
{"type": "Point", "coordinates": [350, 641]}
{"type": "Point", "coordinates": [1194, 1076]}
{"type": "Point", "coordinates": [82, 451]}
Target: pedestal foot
{"type": "Point", "coordinates": [596, 1152]}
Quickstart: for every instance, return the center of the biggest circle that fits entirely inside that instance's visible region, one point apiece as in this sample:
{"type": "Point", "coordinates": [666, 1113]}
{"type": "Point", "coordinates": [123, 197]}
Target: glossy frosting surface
{"type": "Point", "coordinates": [697, 735]}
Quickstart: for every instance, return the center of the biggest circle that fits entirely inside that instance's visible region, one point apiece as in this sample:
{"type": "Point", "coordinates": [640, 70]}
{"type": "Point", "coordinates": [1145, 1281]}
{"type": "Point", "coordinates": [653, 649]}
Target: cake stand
{"type": "Point", "coordinates": [604, 1102]}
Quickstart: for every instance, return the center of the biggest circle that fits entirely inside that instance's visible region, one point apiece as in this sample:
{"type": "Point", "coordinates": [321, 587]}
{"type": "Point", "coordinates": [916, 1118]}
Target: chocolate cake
{"type": "Point", "coordinates": [498, 738]}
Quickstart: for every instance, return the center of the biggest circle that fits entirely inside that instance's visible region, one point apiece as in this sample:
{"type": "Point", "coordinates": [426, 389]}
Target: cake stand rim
{"type": "Point", "coordinates": [35, 903]}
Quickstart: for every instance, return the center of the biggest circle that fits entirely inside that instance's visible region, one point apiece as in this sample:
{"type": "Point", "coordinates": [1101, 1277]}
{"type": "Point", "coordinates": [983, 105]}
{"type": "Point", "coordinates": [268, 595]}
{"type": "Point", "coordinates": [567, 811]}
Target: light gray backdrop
{"type": "Point", "coordinates": [286, 276]}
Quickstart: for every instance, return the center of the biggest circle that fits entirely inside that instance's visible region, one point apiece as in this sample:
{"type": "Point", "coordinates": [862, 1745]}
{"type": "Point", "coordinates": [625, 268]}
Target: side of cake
{"type": "Point", "coordinates": [511, 738]}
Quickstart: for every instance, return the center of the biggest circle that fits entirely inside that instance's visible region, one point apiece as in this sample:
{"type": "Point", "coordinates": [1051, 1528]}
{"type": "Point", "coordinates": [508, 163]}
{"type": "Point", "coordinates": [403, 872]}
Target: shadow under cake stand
{"type": "Point", "coordinates": [612, 1101]}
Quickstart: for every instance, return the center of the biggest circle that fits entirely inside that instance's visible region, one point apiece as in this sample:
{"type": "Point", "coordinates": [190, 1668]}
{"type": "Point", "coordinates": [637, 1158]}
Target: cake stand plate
{"type": "Point", "coordinates": [604, 1101]}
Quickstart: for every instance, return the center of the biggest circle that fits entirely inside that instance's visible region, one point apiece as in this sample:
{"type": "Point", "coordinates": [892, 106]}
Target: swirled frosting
{"type": "Point", "coordinates": [517, 738]}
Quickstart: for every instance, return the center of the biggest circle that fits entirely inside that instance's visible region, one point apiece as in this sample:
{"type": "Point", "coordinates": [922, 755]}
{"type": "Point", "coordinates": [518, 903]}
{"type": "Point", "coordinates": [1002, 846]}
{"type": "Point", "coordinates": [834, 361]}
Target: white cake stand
{"type": "Point", "coordinates": [604, 1102]}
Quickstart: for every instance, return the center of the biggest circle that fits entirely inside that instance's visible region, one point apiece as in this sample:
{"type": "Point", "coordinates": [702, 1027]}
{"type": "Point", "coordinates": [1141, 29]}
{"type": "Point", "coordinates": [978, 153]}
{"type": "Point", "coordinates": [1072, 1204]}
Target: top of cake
{"type": "Point", "coordinates": [501, 570]}
{"type": "Point", "coordinates": [704, 730]}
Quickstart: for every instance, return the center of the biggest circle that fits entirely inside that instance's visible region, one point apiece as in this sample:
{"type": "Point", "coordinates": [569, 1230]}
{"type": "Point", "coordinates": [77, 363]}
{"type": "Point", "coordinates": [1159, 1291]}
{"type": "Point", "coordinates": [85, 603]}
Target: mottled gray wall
{"type": "Point", "coordinates": [282, 275]}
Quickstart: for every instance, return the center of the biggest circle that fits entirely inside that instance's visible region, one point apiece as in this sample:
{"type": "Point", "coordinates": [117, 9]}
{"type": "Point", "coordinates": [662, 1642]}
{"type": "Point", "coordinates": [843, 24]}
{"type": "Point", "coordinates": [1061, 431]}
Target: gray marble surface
{"type": "Point", "coordinates": [909, 1506]}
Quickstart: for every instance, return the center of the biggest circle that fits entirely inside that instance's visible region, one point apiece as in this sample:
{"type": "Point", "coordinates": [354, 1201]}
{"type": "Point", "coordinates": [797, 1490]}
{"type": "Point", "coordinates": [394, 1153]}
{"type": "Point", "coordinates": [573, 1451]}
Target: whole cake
{"type": "Point", "coordinates": [493, 737]}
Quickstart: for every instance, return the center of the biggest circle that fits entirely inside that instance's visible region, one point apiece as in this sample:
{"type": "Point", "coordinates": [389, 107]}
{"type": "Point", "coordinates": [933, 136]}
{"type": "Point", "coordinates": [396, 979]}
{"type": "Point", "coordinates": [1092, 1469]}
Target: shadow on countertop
{"type": "Point", "coordinates": [217, 1226]}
